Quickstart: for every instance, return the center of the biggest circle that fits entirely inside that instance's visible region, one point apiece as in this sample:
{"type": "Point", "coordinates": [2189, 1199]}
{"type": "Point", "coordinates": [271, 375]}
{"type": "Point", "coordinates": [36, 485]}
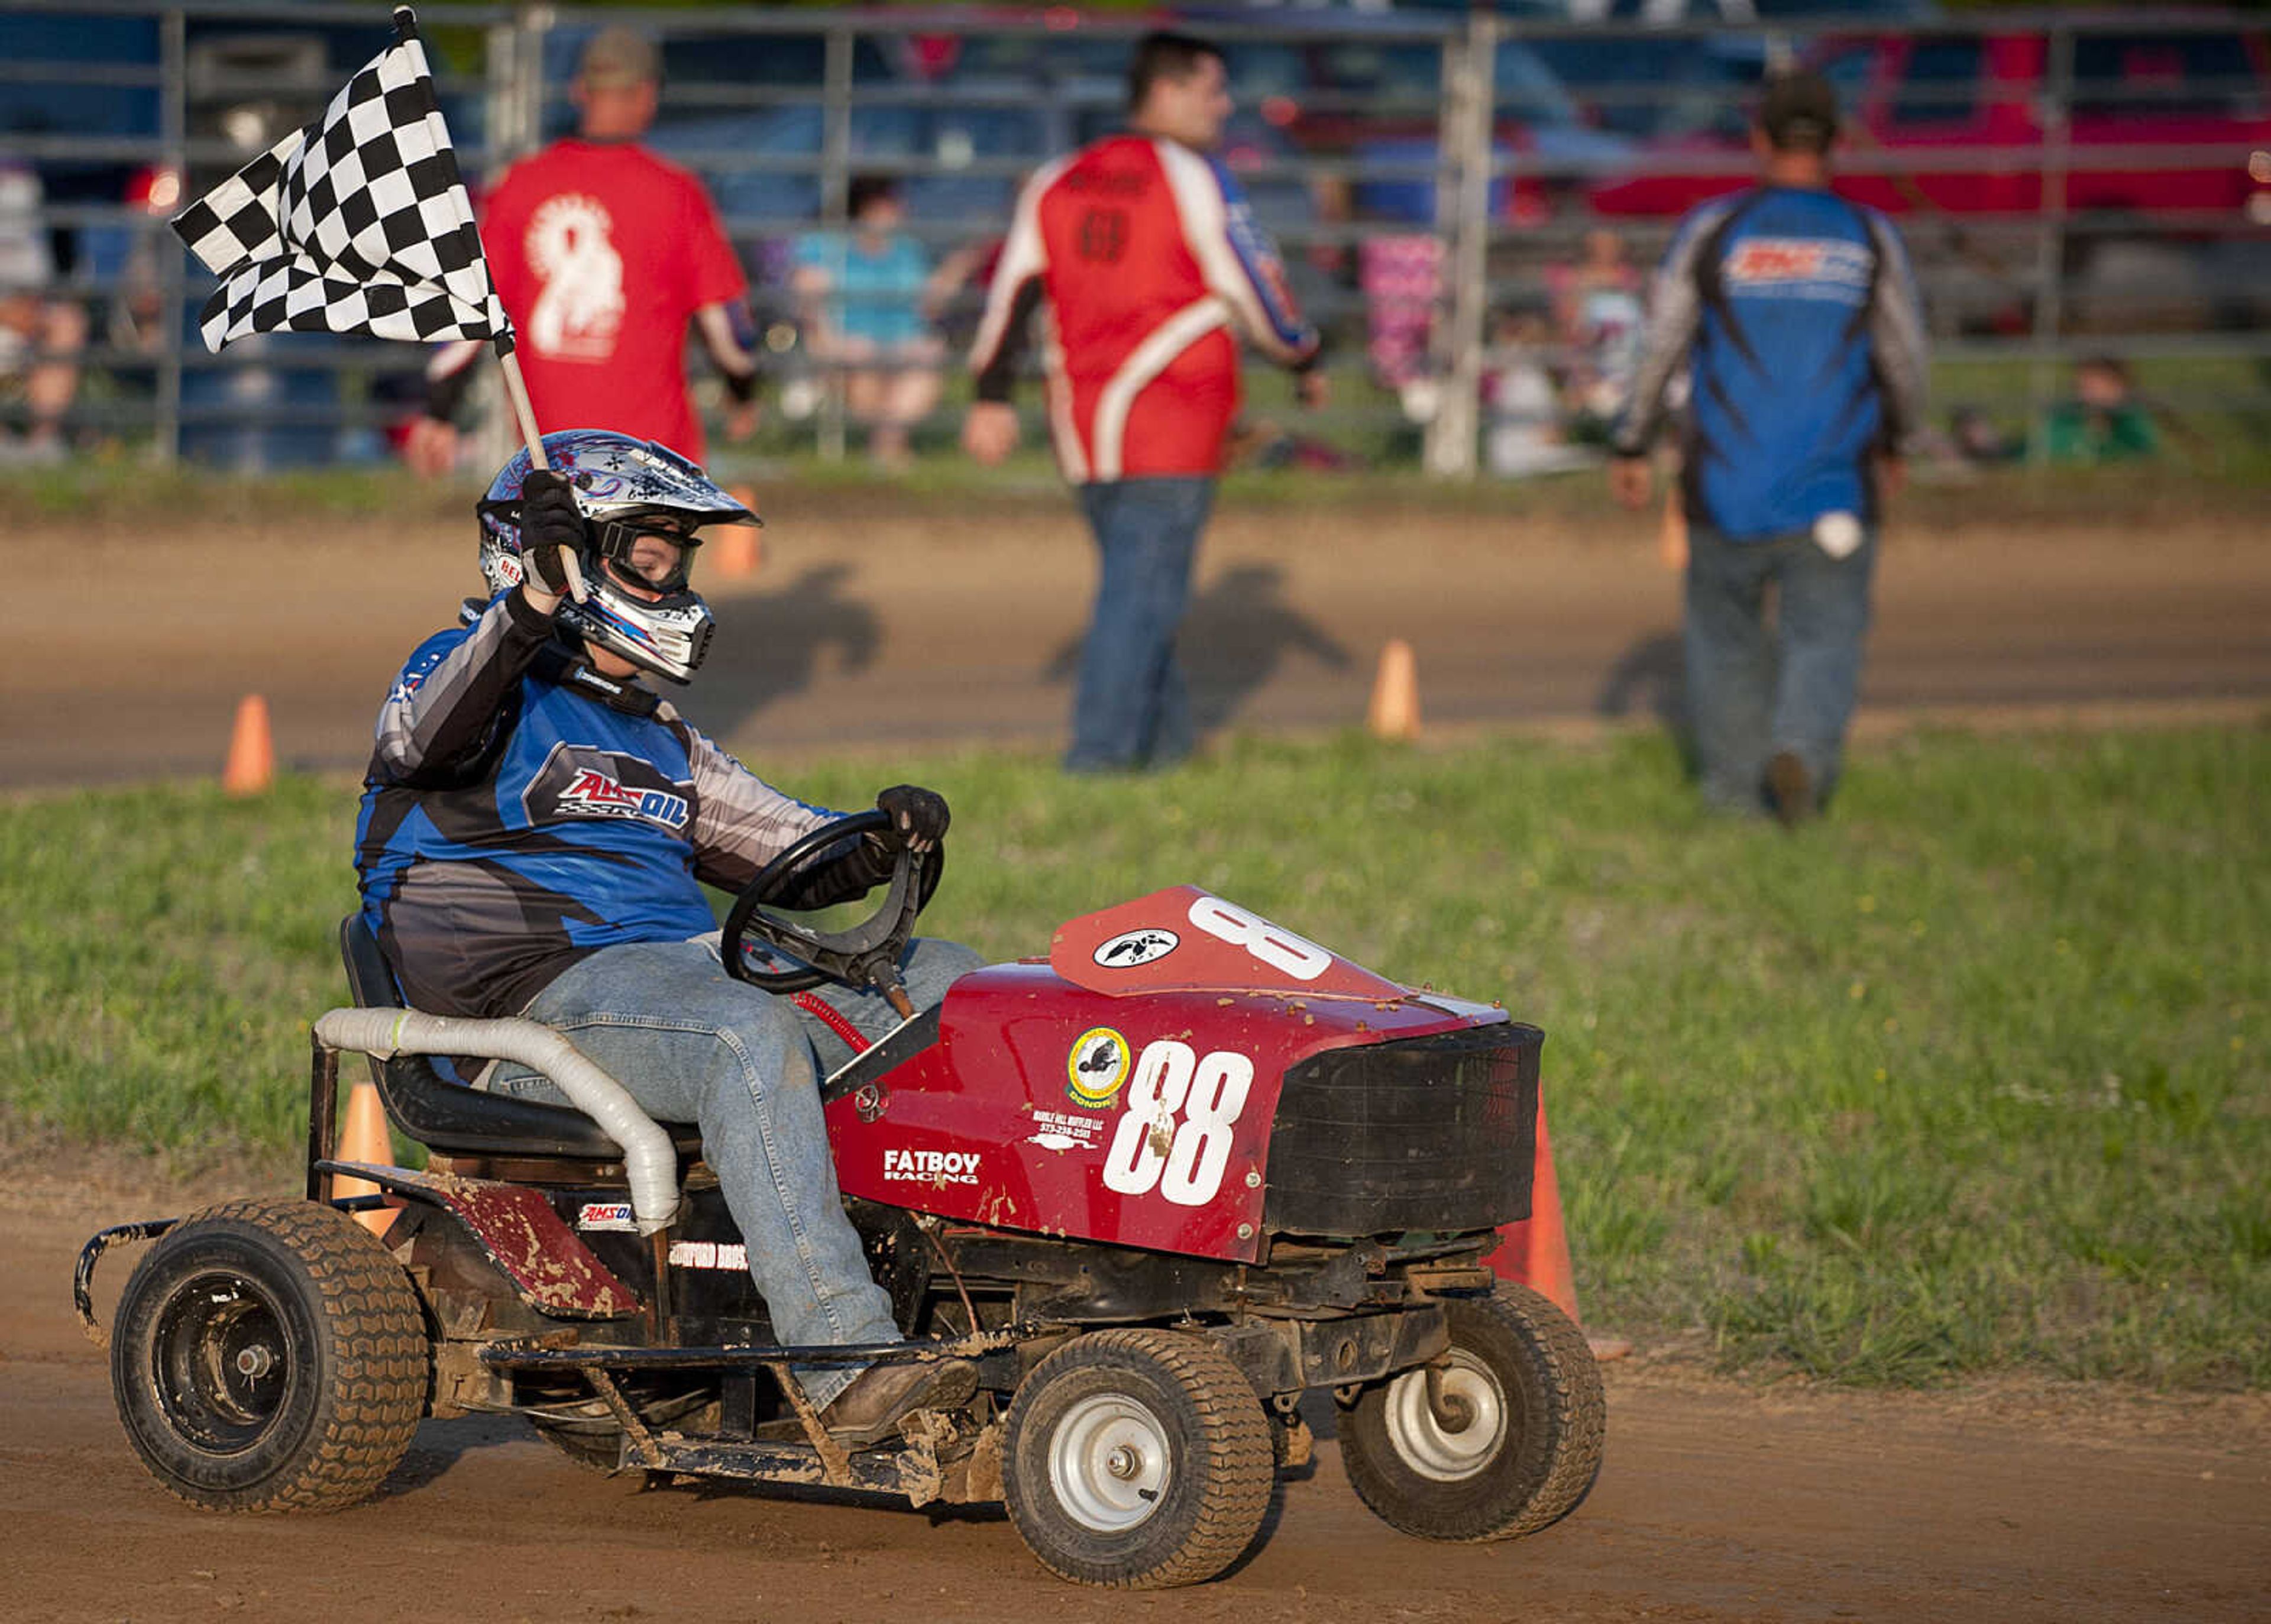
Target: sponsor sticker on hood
{"type": "Point", "coordinates": [1066, 1130]}
{"type": "Point", "coordinates": [1095, 1066]}
{"type": "Point", "coordinates": [932, 1167]}
{"type": "Point", "coordinates": [1131, 948]}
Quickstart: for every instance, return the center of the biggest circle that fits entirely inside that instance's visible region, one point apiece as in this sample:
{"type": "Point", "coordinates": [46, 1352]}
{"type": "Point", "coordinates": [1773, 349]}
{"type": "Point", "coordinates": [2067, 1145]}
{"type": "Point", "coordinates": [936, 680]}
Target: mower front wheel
{"type": "Point", "coordinates": [1500, 1436]}
{"type": "Point", "coordinates": [1137, 1458]}
{"type": "Point", "coordinates": [270, 1356]}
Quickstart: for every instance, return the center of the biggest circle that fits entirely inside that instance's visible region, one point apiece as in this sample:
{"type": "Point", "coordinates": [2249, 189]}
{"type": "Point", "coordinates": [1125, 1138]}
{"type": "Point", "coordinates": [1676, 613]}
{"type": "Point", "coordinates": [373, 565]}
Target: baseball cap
{"type": "Point", "coordinates": [1800, 110]}
{"type": "Point", "coordinates": [617, 58]}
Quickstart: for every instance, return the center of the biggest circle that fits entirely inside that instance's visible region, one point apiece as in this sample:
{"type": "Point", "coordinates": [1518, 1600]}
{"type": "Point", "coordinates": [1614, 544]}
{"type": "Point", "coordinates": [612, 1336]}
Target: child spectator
{"type": "Point", "coordinates": [1524, 432]}
{"type": "Point", "coordinates": [2103, 422]}
{"type": "Point", "coordinates": [868, 297]}
{"type": "Point", "coordinates": [1596, 307]}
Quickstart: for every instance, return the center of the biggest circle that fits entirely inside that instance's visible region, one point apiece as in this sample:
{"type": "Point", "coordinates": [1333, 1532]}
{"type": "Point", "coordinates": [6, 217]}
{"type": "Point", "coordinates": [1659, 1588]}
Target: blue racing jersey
{"type": "Point", "coordinates": [1796, 315]}
{"type": "Point", "coordinates": [521, 812]}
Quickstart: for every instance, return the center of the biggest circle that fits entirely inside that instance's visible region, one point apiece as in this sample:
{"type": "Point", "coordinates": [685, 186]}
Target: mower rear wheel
{"type": "Point", "coordinates": [270, 1356]}
{"type": "Point", "coordinates": [1137, 1458]}
{"type": "Point", "coordinates": [1501, 1436]}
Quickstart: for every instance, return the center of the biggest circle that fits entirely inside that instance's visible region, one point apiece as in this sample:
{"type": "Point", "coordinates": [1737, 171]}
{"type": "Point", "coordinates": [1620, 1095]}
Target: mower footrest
{"type": "Point", "coordinates": [878, 1469]}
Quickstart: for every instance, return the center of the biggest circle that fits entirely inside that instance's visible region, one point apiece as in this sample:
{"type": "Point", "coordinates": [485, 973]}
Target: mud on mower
{"type": "Point", "coordinates": [1157, 1185]}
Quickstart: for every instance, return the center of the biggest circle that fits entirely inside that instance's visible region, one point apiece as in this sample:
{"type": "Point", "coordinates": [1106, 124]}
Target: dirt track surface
{"type": "Point", "coordinates": [1716, 1503]}
{"type": "Point", "coordinates": [902, 627]}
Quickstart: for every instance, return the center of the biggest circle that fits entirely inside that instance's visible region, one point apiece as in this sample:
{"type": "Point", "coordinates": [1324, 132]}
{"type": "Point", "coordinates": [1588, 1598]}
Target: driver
{"type": "Point", "coordinates": [536, 827]}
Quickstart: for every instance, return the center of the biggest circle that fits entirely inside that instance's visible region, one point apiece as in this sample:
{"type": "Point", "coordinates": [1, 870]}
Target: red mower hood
{"type": "Point", "coordinates": [1187, 939]}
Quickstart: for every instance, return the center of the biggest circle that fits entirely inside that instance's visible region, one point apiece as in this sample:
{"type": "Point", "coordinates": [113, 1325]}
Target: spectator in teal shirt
{"type": "Point", "coordinates": [867, 296]}
{"type": "Point", "coordinates": [2103, 423]}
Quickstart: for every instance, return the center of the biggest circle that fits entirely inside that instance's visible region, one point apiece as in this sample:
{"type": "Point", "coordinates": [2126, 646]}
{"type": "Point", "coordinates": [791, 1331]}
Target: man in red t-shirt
{"type": "Point", "coordinates": [601, 252]}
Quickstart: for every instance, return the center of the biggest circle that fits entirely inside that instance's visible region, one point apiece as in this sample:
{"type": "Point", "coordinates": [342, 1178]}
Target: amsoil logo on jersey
{"type": "Point", "coordinates": [1764, 260]}
{"type": "Point", "coordinates": [595, 794]}
{"type": "Point", "coordinates": [578, 781]}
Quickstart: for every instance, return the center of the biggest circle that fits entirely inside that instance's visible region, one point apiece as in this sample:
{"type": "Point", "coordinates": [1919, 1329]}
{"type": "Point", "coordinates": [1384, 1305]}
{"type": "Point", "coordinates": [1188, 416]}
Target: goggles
{"type": "Point", "coordinates": [616, 542]}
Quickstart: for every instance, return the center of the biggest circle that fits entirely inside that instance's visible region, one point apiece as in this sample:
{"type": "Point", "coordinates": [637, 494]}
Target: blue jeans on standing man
{"type": "Point", "coordinates": [692, 1044]}
{"type": "Point", "coordinates": [1131, 709]}
{"type": "Point", "coordinates": [1751, 697]}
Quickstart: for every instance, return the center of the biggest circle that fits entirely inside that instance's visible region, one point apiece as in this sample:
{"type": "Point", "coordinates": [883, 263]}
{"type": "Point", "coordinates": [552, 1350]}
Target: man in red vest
{"type": "Point", "coordinates": [602, 252]}
{"type": "Point", "coordinates": [1152, 266]}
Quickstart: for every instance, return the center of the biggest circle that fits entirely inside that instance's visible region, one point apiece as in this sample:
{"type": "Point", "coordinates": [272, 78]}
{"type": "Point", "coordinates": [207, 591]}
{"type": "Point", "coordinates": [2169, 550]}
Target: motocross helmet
{"type": "Point", "coordinates": [626, 489]}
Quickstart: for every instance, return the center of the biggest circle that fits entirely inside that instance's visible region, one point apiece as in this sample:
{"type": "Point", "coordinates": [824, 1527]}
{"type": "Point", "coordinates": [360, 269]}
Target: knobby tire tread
{"type": "Point", "coordinates": [1580, 1407]}
{"type": "Point", "coordinates": [1240, 1465]}
{"type": "Point", "coordinates": [1576, 1418]}
{"type": "Point", "coordinates": [379, 1343]}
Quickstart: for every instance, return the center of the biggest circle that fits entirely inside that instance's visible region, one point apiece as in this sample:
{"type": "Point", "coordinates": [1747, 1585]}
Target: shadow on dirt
{"type": "Point", "coordinates": [438, 1446]}
{"type": "Point", "coordinates": [1650, 678]}
{"type": "Point", "coordinates": [1236, 632]}
{"type": "Point", "coordinates": [768, 647]}
{"type": "Point", "coordinates": [937, 1513]}
{"type": "Point", "coordinates": [1323, 1416]}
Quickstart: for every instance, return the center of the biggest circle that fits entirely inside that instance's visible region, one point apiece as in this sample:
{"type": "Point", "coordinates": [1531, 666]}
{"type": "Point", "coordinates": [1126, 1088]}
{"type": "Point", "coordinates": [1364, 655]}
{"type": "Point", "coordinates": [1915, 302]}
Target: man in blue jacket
{"type": "Point", "coordinates": [536, 828]}
{"type": "Point", "coordinates": [1795, 316]}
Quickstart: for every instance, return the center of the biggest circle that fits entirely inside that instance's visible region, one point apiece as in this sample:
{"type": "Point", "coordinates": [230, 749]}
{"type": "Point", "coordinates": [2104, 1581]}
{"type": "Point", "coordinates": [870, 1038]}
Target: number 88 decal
{"type": "Point", "coordinates": [1176, 1132]}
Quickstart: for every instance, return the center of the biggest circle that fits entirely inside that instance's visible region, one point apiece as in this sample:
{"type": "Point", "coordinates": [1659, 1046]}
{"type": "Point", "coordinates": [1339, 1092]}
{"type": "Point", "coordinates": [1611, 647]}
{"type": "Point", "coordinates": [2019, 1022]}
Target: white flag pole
{"type": "Point", "coordinates": [516, 387]}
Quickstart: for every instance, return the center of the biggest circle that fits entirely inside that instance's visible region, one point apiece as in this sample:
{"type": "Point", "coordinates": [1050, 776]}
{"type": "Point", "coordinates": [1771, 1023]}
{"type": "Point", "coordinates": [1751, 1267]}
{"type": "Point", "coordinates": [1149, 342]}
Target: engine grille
{"type": "Point", "coordinates": [1435, 1133]}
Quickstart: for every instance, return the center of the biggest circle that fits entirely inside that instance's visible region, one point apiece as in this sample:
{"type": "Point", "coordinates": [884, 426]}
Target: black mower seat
{"type": "Point", "coordinates": [453, 1119]}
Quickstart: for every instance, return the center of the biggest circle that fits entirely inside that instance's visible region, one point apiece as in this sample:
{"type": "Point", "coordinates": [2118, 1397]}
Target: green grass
{"type": "Point", "coordinates": [2215, 467]}
{"type": "Point", "coordinates": [1970, 1076]}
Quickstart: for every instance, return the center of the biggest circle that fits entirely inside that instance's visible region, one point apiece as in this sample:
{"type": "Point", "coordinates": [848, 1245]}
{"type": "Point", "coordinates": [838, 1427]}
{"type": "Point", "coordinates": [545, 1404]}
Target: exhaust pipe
{"type": "Point", "coordinates": [650, 1161]}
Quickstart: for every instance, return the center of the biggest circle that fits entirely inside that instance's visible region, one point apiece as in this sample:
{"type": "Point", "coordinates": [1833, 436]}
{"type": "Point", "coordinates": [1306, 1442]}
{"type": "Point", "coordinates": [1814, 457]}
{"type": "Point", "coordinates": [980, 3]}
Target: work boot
{"type": "Point", "coordinates": [1791, 788]}
{"type": "Point", "coordinates": [882, 1395]}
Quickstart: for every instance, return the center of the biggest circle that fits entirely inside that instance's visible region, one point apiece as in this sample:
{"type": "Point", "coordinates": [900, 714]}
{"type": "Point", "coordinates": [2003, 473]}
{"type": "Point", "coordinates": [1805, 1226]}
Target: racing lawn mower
{"type": "Point", "coordinates": [1158, 1185]}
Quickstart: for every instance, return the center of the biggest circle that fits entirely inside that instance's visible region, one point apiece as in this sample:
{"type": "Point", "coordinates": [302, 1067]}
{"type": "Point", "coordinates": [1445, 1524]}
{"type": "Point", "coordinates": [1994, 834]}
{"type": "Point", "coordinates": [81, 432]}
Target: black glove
{"type": "Point", "coordinates": [919, 817]}
{"type": "Point", "coordinates": [549, 520]}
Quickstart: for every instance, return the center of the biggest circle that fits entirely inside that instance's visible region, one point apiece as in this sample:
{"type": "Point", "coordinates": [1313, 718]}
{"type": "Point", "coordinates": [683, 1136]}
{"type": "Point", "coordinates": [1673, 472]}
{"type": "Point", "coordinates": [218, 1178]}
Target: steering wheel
{"type": "Point", "coordinates": [865, 956]}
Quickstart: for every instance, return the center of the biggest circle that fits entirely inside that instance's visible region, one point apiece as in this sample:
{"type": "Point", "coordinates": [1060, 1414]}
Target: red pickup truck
{"type": "Point", "coordinates": [2203, 98]}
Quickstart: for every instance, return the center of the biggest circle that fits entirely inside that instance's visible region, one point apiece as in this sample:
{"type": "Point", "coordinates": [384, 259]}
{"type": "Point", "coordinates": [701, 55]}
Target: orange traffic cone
{"type": "Point", "coordinates": [736, 550]}
{"type": "Point", "coordinates": [1535, 1251]}
{"type": "Point", "coordinates": [1395, 711]}
{"type": "Point", "coordinates": [251, 765]}
{"type": "Point", "coordinates": [363, 1138]}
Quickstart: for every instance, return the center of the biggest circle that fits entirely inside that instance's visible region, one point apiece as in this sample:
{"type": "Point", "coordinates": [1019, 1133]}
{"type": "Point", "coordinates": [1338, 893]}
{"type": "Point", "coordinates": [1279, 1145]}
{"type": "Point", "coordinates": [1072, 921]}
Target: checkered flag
{"type": "Point", "coordinates": [358, 223]}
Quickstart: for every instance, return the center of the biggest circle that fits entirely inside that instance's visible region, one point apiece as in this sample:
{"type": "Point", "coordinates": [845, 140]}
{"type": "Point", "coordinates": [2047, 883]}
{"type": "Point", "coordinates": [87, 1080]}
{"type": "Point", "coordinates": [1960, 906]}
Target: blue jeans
{"type": "Point", "coordinates": [692, 1044]}
{"type": "Point", "coordinates": [1751, 697]}
{"type": "Point", "coordinates": [1131, 709]}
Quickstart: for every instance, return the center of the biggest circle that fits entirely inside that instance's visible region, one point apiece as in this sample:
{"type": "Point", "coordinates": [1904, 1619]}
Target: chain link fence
{"type": "Point", "coordinates": [1468, 203]}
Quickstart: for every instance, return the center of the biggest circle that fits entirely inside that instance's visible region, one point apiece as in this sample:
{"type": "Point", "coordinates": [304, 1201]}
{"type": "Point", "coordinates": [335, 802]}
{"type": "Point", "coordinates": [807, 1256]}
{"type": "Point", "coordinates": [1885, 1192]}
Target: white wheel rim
{"type": "Point", "coordinates": [1108, 1463]}
{"type": "Point", "coordinates": [1446, 1453]}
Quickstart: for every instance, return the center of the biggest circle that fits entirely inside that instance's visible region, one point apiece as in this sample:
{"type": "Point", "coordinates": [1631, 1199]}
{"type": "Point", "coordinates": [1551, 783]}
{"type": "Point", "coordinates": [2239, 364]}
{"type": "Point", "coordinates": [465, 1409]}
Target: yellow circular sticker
{"type": "Point", "coordinates": [1096, 1068]}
